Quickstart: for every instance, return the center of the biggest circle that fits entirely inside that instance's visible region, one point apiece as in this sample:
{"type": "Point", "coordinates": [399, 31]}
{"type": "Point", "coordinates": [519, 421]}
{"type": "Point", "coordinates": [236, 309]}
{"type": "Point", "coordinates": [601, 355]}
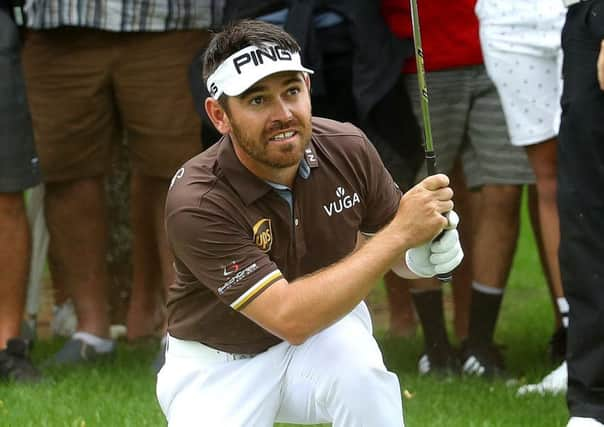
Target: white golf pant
{"type": "Point", "coordinates": [336, 376]}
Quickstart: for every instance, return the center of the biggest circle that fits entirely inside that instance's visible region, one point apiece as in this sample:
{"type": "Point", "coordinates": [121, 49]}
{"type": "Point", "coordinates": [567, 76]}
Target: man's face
{"type": "Point", "coordinates": [271, 121]}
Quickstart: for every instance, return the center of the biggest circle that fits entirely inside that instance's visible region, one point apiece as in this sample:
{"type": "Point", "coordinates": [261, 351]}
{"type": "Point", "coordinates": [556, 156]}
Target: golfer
{"type": "Point", "coordinates": [279, 232]}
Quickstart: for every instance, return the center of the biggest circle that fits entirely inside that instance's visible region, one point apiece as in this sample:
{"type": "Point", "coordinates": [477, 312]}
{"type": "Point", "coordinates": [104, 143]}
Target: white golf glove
{"type": "Point", "coordinates": [437, 257]}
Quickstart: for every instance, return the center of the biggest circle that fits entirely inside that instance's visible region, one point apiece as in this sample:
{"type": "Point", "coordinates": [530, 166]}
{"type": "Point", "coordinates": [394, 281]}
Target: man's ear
{"type": "Point", "coordinates": [217, 115]}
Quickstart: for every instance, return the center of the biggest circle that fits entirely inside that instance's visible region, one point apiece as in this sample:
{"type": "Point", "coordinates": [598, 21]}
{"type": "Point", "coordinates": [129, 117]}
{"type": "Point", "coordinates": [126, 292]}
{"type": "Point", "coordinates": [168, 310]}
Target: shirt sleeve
{"type": "Point", "coordinates": [382, 194]}
{"type": "Point", "coordinates": [221, 254]}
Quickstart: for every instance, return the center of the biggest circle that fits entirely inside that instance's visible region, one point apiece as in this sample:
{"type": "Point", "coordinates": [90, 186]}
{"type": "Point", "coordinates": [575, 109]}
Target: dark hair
{"type": "Point", "coordinates": [241, 34]}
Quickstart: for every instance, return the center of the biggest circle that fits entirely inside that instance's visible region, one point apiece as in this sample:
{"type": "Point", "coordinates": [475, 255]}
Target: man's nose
{"type": "Point", "coordinates": [281, 111]}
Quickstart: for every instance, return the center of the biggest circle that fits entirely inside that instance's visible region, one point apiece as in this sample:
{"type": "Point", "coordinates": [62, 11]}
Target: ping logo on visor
{"type": "Point", "coordinates": [244, 68]}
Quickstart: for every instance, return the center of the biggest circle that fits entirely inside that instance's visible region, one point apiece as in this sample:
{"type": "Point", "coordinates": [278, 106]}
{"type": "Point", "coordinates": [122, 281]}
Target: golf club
{"type": "Point", "coordinates": [423, 96]}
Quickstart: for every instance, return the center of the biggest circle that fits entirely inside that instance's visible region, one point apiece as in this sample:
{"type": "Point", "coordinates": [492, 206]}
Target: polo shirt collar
{"type": "Point", "coordinates": [249, 187]}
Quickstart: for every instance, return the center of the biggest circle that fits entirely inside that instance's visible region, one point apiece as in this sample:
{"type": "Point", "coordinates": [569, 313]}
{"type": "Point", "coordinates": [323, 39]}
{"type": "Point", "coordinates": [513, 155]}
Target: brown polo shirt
{"type": "Point", "coordinates": [233, 235]}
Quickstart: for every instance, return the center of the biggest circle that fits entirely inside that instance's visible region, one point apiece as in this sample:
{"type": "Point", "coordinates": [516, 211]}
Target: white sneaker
{"type": "Point", "coordinates": [583, 422]}
{"type": "Point", "coordinates": [555, 383]}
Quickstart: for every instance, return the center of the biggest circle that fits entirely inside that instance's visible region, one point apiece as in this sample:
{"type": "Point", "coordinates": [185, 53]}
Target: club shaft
{"type": "Point", "coordinates": [424, 103]}
{"type": "Point", "coordinates": [423, 89]}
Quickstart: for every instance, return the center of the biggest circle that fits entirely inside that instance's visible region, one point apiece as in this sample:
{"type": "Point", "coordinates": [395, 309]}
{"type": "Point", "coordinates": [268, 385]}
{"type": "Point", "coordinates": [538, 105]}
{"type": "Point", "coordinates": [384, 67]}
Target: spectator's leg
{"type": "Point", "coordinates": [18, 171]}
{"type": "Point", "coordinates": [499, 170]}
{"type": "Point", "coordinates": [76, 218]}
{"type": "Point", "coordinates": [450, 102]}
{"type": "Point", "coordinates": [14, 257]}
{"type": "Point", "coordinates": [403, 322]}
{"type": "Point", "coordinates": [494, 246]}
{"type": "Point", "coordinates": [581, 203]}
{"type": "Point", "coordinates": [533, 211]}
{"type": "Point", "coordinates": [428, 300]}
{"type": "Point", "coordinates": [544, 160]}
{"type": "Point", "coordinates": [152, 260]}
{"type": "Point", "coordinates": [465, 204]}
{"type": "Point", "coordinates": [161, 136]}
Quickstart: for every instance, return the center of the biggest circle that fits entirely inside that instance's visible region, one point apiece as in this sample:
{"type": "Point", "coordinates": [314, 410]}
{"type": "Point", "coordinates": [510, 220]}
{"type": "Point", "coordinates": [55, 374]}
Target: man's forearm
{"type": "Point", "coordinates": [294, 311]}
{"type": "Point", "coordinates": [313, 302]}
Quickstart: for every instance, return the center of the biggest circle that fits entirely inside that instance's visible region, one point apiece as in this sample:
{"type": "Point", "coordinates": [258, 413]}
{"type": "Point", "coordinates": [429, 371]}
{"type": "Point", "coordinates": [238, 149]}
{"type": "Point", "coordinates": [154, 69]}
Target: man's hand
{"type": "Point", "coordinates": [420, 215]}
{"type": "Point", "coordinates": [437, 257]}
{"type": "Point", "coordinates": [601, 66]}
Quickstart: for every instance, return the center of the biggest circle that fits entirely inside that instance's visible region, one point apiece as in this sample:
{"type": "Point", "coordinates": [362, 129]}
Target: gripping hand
{"type": "Point", "coordinates": [437, 256]}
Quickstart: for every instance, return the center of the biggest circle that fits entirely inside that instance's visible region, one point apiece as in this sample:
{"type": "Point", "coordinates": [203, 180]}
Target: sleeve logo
{"type": "Point", "coordinates": [263, 234]}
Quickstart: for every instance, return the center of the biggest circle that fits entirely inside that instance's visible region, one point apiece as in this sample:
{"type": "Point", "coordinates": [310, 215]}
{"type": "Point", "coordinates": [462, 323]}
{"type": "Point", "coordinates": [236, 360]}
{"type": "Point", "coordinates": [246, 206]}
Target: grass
{"type": "Point", "coordinates": [121, 392]}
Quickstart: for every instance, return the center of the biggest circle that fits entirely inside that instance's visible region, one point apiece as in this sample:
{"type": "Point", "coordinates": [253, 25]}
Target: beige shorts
{"type": "Point", "coordinates": [89, 89]}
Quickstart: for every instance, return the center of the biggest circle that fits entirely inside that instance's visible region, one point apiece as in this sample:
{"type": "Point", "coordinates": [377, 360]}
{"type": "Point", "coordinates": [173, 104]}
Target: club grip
{"type": "Point", "coordinates": [431, 163]}
{"type": "Point", "coordinates": [431, 169]}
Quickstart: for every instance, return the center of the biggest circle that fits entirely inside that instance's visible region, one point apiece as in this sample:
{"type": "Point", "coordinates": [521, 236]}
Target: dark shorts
{"type": "Point", "coordinates": [90, 89]}
{"type": "Point", "coordinates": [19, 168]}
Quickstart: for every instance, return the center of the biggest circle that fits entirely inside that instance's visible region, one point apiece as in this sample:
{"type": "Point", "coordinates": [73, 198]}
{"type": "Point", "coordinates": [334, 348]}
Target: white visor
{"type": "Point", "coordinates": [244, 68]}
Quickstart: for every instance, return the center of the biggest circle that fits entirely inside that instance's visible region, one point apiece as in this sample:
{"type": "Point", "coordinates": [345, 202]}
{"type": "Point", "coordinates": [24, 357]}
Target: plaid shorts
{"type": "Point", "coordinates": [19, 167]}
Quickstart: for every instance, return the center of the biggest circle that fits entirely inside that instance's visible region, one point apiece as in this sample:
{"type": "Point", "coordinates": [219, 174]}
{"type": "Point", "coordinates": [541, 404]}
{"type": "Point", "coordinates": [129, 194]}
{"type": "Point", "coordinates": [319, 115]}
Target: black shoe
{"type": "Point", "coordinates": [557, 345]}
{"type": "Point", "coordinates": [444, 362]}
{"type": "Point", "coordinates": [483, 361]}
{"type": "Point", "coordinates": [15, 364]}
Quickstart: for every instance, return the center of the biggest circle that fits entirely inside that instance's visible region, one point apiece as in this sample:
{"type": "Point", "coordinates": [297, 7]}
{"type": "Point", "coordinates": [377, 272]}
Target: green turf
{"type": "Point", "coordinates": [121, 393]}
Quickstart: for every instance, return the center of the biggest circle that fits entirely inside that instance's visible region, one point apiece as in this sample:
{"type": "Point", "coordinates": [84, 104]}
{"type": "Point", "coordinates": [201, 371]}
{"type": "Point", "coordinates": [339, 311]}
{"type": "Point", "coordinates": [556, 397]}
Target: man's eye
{"type": "Point", "coordinates": [294, 91]}
{"type": "Point", "coordinates": [257, 100]}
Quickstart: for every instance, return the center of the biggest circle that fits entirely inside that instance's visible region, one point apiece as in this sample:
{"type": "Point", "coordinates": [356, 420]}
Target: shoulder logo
{"type": "Point", "coordinates": [230, 268]}
{"type": "Point", "coordinates": [344, 201]}
{"type": "Point", "coordinates": [311, 158]}
{"type": "Point", "coordinates": [179, 174]}
{"type": "Point", "coordinates": [263, 234]}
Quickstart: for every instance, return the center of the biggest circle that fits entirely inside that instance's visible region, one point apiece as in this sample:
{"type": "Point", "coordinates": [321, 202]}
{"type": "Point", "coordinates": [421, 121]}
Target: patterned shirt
{"type": "Point", "coordinates": [120, 15]}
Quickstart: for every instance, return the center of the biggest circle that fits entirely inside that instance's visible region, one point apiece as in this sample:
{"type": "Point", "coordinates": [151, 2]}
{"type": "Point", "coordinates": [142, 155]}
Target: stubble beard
{"type": "Point", "coordinates": [289, 155]}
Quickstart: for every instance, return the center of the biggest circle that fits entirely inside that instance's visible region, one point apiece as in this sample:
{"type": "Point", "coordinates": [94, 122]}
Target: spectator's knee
{"type": "Point", "coordinates": [12, 205]}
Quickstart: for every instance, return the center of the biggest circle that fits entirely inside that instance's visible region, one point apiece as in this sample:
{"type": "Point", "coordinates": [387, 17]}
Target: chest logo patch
{"type": "Point", "coordinates": [263, 234]}
{"type": "Point", "coordinates": [344, 201]}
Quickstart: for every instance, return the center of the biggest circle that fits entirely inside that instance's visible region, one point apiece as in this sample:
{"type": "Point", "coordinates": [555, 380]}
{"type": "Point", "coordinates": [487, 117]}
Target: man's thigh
{"type": "Point", "coordinates": [325, 372]}
{"type": "Point", "coordinates": [155, 101]}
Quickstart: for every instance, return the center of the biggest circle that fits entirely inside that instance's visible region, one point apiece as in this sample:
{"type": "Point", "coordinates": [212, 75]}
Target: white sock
{"type": "Point", "coordinates": [563, 310]}
{"type": "Point", "coordinates": [486, 289]}
{"type": "Point", "coordinates": [102, 345]}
